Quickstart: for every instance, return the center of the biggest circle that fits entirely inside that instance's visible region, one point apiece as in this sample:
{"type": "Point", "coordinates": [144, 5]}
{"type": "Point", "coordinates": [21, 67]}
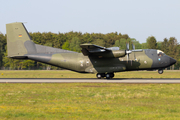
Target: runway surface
{"type": "Point", "coordinates": [88, 80]}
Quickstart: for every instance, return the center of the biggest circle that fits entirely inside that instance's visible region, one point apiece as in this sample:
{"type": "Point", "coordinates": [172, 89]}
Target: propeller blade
{"type": "Point", "coordinates": [133, 46]}
{"type": "Point", "coordinates": [127, 46]}
{"type": "Point", "coordinates": [127, 58]}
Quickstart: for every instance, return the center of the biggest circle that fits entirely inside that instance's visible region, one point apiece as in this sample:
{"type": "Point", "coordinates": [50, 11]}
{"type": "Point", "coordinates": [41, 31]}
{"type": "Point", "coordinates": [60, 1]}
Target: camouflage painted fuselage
{"type": "Point", "coordinates": [145, 60]}
{"type": "Point", "coordinates": [20, 46]}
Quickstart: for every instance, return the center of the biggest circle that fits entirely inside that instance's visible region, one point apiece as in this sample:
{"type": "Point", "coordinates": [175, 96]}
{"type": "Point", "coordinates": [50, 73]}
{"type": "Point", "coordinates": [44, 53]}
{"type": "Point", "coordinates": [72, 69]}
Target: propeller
{"type": "Point", "coordinates": [128, 51]}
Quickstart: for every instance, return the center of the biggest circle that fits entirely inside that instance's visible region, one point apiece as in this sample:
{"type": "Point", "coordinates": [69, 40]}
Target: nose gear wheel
{"type": "Point", "coordinates": [160, 71]}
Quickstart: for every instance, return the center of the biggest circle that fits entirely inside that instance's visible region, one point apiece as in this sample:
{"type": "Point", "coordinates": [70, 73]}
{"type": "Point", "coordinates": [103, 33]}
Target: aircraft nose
{"type": "Point", "coordinates": [172, 61]}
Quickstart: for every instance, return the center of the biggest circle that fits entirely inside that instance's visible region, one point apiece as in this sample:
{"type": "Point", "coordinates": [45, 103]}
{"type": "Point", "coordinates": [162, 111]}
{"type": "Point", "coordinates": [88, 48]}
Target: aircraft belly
{"type": "Point", "coordinates": [105, 69]}
{"type": "Point", "coordinates": [105, 65]}
{"type": "Point", "coordinates": [45, 58]}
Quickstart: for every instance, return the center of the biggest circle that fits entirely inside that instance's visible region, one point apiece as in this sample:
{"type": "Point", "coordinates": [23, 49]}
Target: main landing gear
{"type": "Point", "coordinates": [160, 71]}
{"type": "Point", "coordinates": [107, 75]}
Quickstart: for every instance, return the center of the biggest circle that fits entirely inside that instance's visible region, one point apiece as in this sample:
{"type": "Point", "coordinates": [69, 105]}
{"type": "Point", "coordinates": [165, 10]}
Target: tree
{"type": "Point", "coordinates": [151, 43]}
{"type": "Point", "coordinates": [75, 44]}
{"type": "Point", "coordinates": [136, 43]}
{"type": "Point", "coordinates": [125, 36]}
{"type": "Point", "coordinates": [121, 43]}
{"type": "Point", "coordinates": [170, 47]}
{"type": "Point", "coordinates": [2, 47]}
{"type": "Point", "coordinates": [159, 45]}
{"type": "Point", "coordinates": [37, 38]}
{"type": "Point", "coordinates": [117, 43]}
{"type": "Point", "coordinates": [144, 46]}
{"type": "Point", "coordinates": [173, 48]}
{"type": "Point", "coordinates": [86, 38]}
{"type": "Point", "coordinates": [65, 46]}
{"type": "Point", "coordinates": [99, 42]}
{"type": "Point", "coordinates": [165, 46]}
{"type": "Point", "coordinates": [28, 64]}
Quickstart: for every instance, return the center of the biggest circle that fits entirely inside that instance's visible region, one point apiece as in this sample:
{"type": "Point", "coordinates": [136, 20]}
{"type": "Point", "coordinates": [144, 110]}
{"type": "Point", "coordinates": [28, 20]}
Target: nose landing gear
{"type": "Point", "coordinates": [102, 75]}
{"type": "Point", "coordinates": [160, 71]}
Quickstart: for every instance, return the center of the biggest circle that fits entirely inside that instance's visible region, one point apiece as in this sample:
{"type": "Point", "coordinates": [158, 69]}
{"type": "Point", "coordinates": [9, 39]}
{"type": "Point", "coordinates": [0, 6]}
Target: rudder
{"type": "Point", "coordinates": [19, 42]}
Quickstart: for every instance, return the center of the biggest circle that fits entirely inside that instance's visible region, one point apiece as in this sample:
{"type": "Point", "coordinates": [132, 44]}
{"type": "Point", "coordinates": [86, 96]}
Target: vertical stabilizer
{"type": "Point", "coordinates": [19, 42]}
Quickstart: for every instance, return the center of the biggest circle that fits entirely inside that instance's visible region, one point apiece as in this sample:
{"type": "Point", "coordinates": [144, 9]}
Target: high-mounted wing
{"type": "Point", "coordinates": [94, 50]}
{"type": "Point", "coordinates": [88, 49]}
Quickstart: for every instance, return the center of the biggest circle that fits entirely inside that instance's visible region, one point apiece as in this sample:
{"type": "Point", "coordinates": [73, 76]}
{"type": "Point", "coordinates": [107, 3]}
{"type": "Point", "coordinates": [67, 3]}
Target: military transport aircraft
{"type": "Point", "coordinates": [93, 59]}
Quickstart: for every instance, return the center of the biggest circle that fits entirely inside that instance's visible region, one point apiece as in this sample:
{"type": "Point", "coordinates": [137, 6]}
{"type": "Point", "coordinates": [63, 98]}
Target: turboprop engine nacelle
{"type": "Point", "coordinates": [112, 54]}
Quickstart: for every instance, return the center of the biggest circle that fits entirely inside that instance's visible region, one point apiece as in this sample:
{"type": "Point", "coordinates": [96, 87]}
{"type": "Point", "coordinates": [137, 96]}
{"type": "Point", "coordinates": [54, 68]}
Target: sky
{"type": "Point", "coordinates": [137, 18]}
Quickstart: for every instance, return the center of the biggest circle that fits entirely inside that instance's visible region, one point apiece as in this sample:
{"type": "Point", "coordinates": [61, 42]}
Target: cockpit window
{"type": "Point", "coordinates": [160, 53]}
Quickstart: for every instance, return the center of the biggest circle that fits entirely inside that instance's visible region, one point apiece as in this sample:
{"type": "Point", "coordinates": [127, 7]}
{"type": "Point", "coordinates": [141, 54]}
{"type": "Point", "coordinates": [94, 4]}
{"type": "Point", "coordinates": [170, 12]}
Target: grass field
{"type": "Point", "coordinates": [97, 101]}
{"type": "Point", "coordinates": [70, 74]}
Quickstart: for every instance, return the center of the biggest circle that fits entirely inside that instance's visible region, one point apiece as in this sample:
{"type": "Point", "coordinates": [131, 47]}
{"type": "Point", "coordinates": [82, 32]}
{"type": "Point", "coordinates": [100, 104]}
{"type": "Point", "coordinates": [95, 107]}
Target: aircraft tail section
{"type": "Point", "coordinates": [19, 42]}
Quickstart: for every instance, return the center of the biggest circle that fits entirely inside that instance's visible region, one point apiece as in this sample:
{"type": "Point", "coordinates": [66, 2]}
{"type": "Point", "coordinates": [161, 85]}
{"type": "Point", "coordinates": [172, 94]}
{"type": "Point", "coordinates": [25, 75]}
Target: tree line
{"type": "Point", "coordinates": [72, 40]}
